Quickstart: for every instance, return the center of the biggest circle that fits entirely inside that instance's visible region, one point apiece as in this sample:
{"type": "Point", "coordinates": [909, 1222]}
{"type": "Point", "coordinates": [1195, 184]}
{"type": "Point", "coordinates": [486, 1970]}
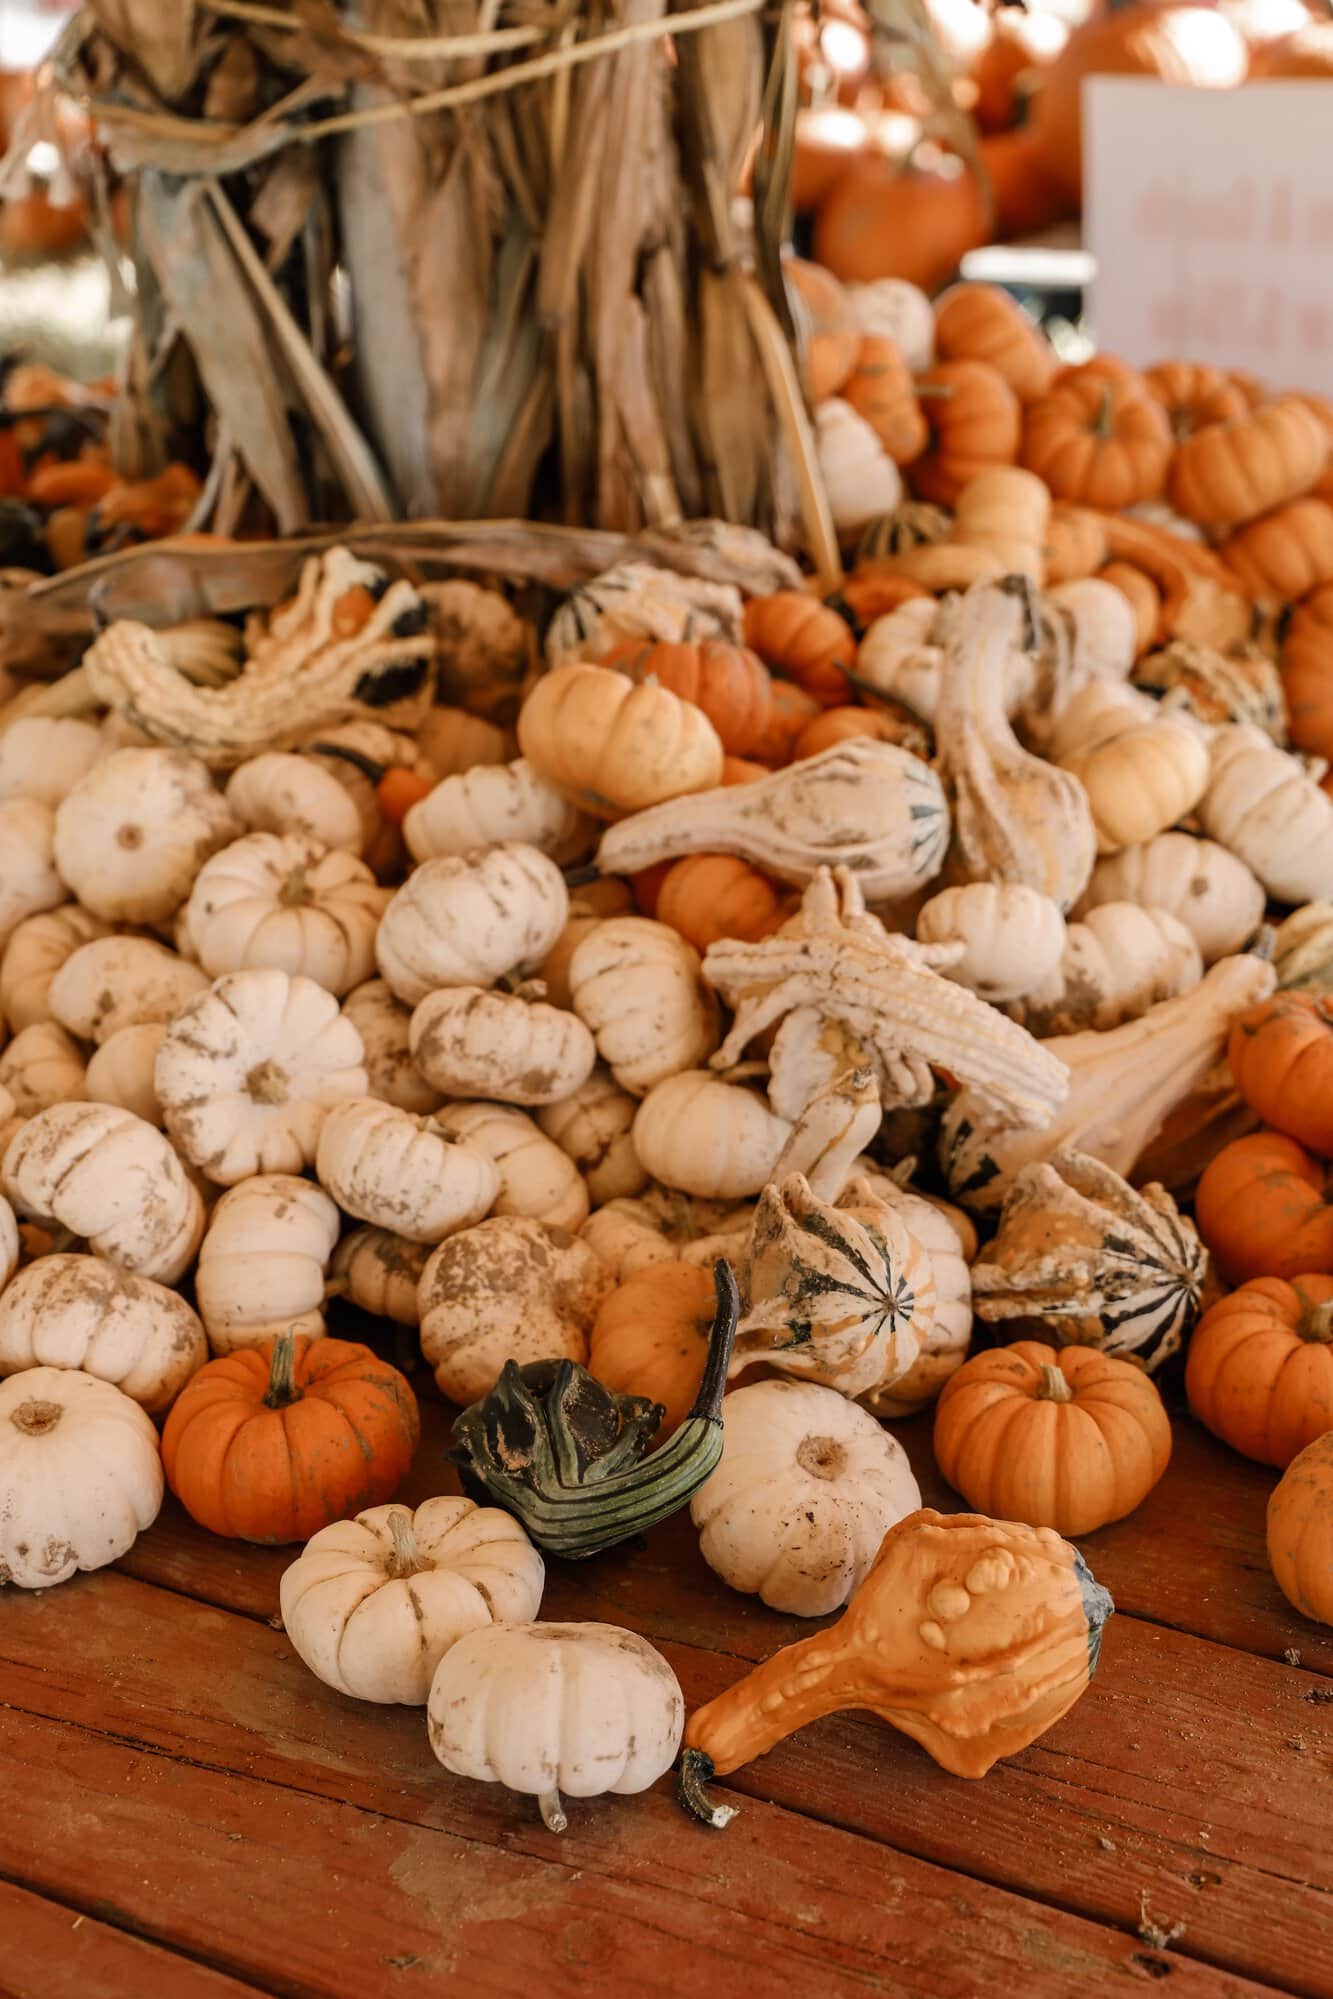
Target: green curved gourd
{"type": "Point", "coordinates": [567, 1456]}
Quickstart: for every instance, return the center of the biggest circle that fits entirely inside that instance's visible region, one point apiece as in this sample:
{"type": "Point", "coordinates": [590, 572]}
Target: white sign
{"type": "Point", "coordinates": [1209, 214]}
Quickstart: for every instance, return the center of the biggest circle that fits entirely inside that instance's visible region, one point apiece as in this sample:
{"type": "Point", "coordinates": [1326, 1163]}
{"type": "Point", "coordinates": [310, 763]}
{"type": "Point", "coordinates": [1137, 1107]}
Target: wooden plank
{"type": "Point", "coordinates": [314, 1897]}
{"type": "Point", "coordinates": [1173, 1792]}
{"type": "Point", "coordinates": [51, 1952]}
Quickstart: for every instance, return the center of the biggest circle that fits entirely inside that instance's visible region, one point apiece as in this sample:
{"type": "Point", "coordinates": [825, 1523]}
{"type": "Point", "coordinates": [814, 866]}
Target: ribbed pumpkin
{"type": "Point", "coordinates": [800, 637]}
{"type": "Point", "coordinates": [882, 221]}
{"type": "Point", "coordinates": [1281, 1055]}
{"type": "Point", "coordinates": [1075, 543]}
{"type": "Point", "coordinates": [1058, 1437]}
{"type": "Point", "coordinates": [880, 388]}
{"type": "Point", "coordinates": [730, 683]}
{"type": "Point", "coordinates": [1099, 440]}
{"type": "Point", "coordinates": [1262, 1208]}
{"type": "Point", "coordinates": [1284, 555]}
{"type": "Point", "coordinates": [873, 589]}
{"type": "Point", "coordinates": [983, 323]}
{"type": "Point", "coordinates": [975, 422]}
{"type": "Point", "coordinates": [1233, 472]}
{"type": "Point", "coordinates": [1193, 394]}
{"type": "Point", "coordinates": [651, 1338]}
{"type": "Point", "coordinates": [789, 709]}
{"type": "Point", "coordinates": [708, 896]}
{"type": "Point", "coordinates": [888, 722]}
{"type": "Point", "coordinates": [832, 338]}
{"type": "Point", "coordinates": [272, 1443]}
{"type": "Point", "coordinates": [1307, 673]}
{"type": "Point", "coordinates": [1300, 1531]}
{"type": "Point", "coordinates": [1260, 1368]}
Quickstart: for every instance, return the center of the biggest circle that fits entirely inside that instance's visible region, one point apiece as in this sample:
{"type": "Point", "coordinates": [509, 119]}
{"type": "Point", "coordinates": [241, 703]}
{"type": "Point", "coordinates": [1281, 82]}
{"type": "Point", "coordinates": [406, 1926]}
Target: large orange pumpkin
{"type": "Point", "coordinates": [984, 323]}
{"type": "Point", "coordinates": [709, 896]}
{"type": "Point", "coordinates": [1307, 673]}
{"type": "Point", "coordinates": [1064, 1437]}
{"type": "Point", "coordinates": [1021, 45]}
{"type": "Point", "coordinates": [651, 1338]}
{"type": "Point", "coordinates": [975, 421]}
{"type": "Point", "coordinates": [1098, 439]}
{"type": "Point", "coordinates": [1281, 1055]}
{"type": "Point", "coordinates": [1300, 1531]}
{"type": "Point", "coordinates": [1260, 1367]}
{"type": "Point", "coordinates": [1024, 195]}
{"type": "Point", "coordinates": [882, 221]}
{"type": "Point", "coordinates": [1262, 1208]}
{"type": "Point", "coordinates": [730, 683]}
{"type": "Point", "coordinates": [803, 639]}
{"type": "Point", "coordinates": [272, 1443]}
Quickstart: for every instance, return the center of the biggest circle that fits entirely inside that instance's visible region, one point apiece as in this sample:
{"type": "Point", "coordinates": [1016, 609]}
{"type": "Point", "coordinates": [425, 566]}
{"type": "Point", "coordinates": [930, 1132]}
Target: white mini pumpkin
{"type": "Point", "coordinates": [36, 950]}
{"type": "Point", "coordinates": [537, 1178]}
{"type": "Point", "coordinates": [1141, 772]}
{"type": "Point", "coordinates": [10, 1241]}
{"type": "Point", "coordinates": [590, 906]}
{"type": "Point", "coordinates": [290, 903]}
{"type": "Point", "coordinates": [384, 1024]}
{"type": "Point", "coordinates": [511, 1046]}
{"type": "Point", "coordinates": [283, 792]}
{"type": "Point", "coordinates": [116, 982]}
{"type": "Point", "coordinates": [42, 1066]}
{"type": "Point", "coordinates": [403, 1173]}
{"type": "Point", "coordinates": [902, 654]}
{"type": "Point", "coordinates": [1119, 961]}
{"type": "Point", "coordinates": [80, 1475]}
{"type": "Point", "coordinates": [1012, 936]}
{"type": "Point", "coordinates": [124, 1071]}
{"type": "Point", "coordinates": [262, 1261]}
{"type": "Point", "coordinates": [135, 831]}
{"type": "Point", "coordinates": [1263, 806]}
{"type": "Point", "coordinates": [593, 1125]}
{"type": "Point", "coordinates": [495, 802]}
{"type": "Point", "coordinates": [373, 1604]}
{"type": "Point", "coordinates": [247, 1073]}
{"type": "Point", "coordinates": [901, 312]}
{"type": "Point", "coordinates": [708, 1137]}
{"type": "Point", "coordinates": [546, 1708]}
{"type": "Point", "coordinates": [666, 1227]}
{"type": "Point", "coordinates": [470, 919]}
{"type": "Point", "coordinates": [807, 1487]}
{"type": "Point", "coordinates": [380, 1271]}
{"type": "Point", "coordinates": [639, 987]}
{"type": "Point", "coordinates": [83, 1312]}
{"type": "Point", "coordinates": [1103, 632]}
{"type": "Point", "coordinates": [110, 1178]}
{"type": "Point", "coordinates": [509, 1289]}
{"type": "Point", "coordinates": [44, 756]}
{"type": "Point", "coordinates": [29, 881]}
{"type": "Point", "coordinates": [860, 479]}
{"type": "Point", "coordinates": [1205, 886]}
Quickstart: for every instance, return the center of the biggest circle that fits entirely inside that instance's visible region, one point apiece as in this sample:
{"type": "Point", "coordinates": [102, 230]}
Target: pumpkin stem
{"type": "Point", "coordinates": [1104, 423]}
{"type": "Point", "coordinates": [367, 766]}
{"type": "Point", "coordinates": [35, 1418]}
{"type": "Point", "coordinates": [282, 1385]}
{"type": "Point", "coordinates": [1053, 1387]}
{"type": "Point", "coordinates": [696, 1771]}
{"type": "Point", "coordinates": [552, 1811]}
{"type": "Point", "coordinates": [1318, 1323]}
{"type": "Point", "coordinates": [583, 877]}
{"type": "Point", "coordinates": [405, 1561]}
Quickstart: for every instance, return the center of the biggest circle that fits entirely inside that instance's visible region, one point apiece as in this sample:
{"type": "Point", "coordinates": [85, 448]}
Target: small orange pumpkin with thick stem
{"type": "Point", "coordinates": [972, 1636]}
{"type": "Point", "coordinates": [1284, 555]}
{"type": "Point", "coordinates": [272, 1443]}
{"type": "Point", "coordinates": [880, 389]}
{"type": "Point", "coordinates": [975, 422]}
{"type": "Point", "coordinates": [1228, 473]}
{"type": "Point", "coordinates": [1300, 1531]}
{"type": "Point", "coordinates": [976, 322]}
{"type": "Point", "coordinates": [1098, 439]}
{"type": "Point", "coordinates": [1262, 1206]}
{"type": "Point", "coordinates": [1193, 394]}
{"type": "Point", "coordinates": [1281, 1056]}
{"type": "Point", "coordinates": [1260, 1368]}
{"type": "Point", "coordinates": [800, 637]}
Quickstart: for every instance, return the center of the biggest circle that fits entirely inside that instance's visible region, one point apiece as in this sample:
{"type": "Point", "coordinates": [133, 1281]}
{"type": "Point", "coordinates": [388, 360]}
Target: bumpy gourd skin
{"type": "Point", "coordinates": [971, 1635]}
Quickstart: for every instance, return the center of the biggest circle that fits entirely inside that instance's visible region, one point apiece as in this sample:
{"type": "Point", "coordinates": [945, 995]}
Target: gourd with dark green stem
{"type": "Point", "coordinates": [568, 1457]}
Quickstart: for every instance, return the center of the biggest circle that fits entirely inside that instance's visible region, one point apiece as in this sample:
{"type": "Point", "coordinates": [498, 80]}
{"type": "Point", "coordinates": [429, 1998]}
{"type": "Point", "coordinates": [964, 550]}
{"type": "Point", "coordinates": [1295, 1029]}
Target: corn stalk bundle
{"type": "Point", "coordinates": [459, 258]}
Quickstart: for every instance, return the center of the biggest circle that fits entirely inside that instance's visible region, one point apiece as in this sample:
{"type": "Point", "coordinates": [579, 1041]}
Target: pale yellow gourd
{"type": "Point", "coordinates": [719, 1140]}
{"type": "Point", "coordinates": [611, 745]}
{"type": "Point", "coordinates": [665, 1226]}
{"type": "Point", "coordinates": [42, 1065]}
{"type": "Point", "coordinates": [1261, 803]}
{"type": "Point", "coordinates": [1140, 775]}
{"type": "Point", "coordinates": [1006, 512]}
{"type": "Point", "coordinates": [117, 982]}
{"type": "Point", "coordinates": [384, 1024]}
{"type": "Point", "coordinates": [593, 1125]}
{"type": "Point", "coordinates": [44, 756]}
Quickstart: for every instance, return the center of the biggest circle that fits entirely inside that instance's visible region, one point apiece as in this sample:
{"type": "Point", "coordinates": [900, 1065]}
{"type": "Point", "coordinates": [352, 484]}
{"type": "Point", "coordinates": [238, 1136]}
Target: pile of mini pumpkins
{"type": "Point", "coordinates": [712, 989]}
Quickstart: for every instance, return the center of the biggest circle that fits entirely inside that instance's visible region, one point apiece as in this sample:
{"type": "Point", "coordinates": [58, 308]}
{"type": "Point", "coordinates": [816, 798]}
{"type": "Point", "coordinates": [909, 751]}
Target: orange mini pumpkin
{"type": "Point", "coordinates": [880, 220]}
{"type": "Point", "coordinates": [272, 1443]}
{"type": "Point", "coordinates": [833, 338]}
{"type": "Point", "coordinates": [651, 1335]}
{"type": "Point", "coordinates": [1260, 1368]}
{"type": "Point", "coordinates": [1262, 1208]}
{"type": "Point", "coordinates": [1144, 600]}
{"type": "Point", "coordinates": [709, 896]}
{"type": "Point", "coordinates": [887, 722]}
{"type": "Point", "coordinates": [1307, 673]}
{"type": "Point", "coordinates": [873, 589]}
{"type": "Point", "coordinates": [880, 388]}
{"type": "Point", "coordinates": [1300, 1531]}
{"type": "Point", "coordinates": [1233, 472]}
{"type": "Point", "coordinates": [1281, 1055]}
{"type": "Point", "coordinates": [1075, 543]}
{"type": "Point", "coordinates": [983, 323]}
{"type": "Point", "coordinates": [1062, 1437]}
{"type": "Point", "coordinates": [1193, 395]}
{"type": "Point", "coordinates": [729, 682]}
{"type": "Point", "coordinates": [1098, 439]}
{"type": "Point", "coordinates": [803, 639]}
{"type": "Point", "coordinates": [744, 770]}
{"type": "Point", "coordinates": [975, 422]}
{"type": "Point", "coordinates": [1282, 556]}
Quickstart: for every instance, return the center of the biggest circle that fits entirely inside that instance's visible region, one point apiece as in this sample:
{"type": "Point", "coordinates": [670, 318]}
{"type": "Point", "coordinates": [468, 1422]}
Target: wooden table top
{"type": "Point", "coordinates": [189, 1813]}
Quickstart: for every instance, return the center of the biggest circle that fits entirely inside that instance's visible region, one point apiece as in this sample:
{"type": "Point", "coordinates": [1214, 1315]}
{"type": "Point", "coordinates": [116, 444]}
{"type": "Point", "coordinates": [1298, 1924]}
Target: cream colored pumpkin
{"type": "Point", "coordinates": [10, 1241]}
{"type": "Point", "coordinates": [262, 1262]}
{"type": "Point", "coordinates": [708, 1137]}
{"type": "Point", "coordinates": [269, 900]}
{"type": "Point", "coordinates": [373, 1604]}
{"type": "Point", "coordinates": [116, 982]}
{"type": "Point", "coordinates": [946, 1236]}
{"type": "Point", "coordinates": [81, 1311]}
{"type": "Point", "coordinates": [901, 312]}
{"type": "Point", "coordinates": [1103, 633]}
{"type": "Point", "coordinates": [247, 1073]}
{"type": "Point", "coordinates": [29, 881]}
{"type": "Point", "coordinates": [860, 480]}
{"type": "Point", "coordinates": [639, 987]}
{"type": "Point", "coordinates": [135, 831]}
{"type": "Point", "coordinates": [902, 654]}
{"type": "Point", "coordinates": [470, 919]}
{"type": "Point", "coordinates": [1012, 936]}
{"type": "Point", "coordinates": [807, 1487]}
{"type": "Point", "coordinates": [495, 802]}
{"type": "Point", "coordinates": [1118, 962]}
{"type": "Point", "coordinates": [380, 1272]}
{"type": "Point", "coordinates": [302, 796]}
{"type": "Point", "coordinates": [402, 1172]}
{"type": "Point", "coordinates": [383, 1023]}
{"type": "Point", "coordinates": [1140, 776]}
{"type": "Point", "coordinates": [593, 1126]}
{"type": "Point", "coordinates": [510, 1046]}
{"type": "Point", "coordinates": [537, 1178]}
{"type": "Point", "coordinates": [124, 1071]}
{"type": "Point", "coordinates": [589, 907]}
{"type": "Point", "coordinates": [612, 745]}
{"type": "Point", "coordinates": [109, 1178]}
{"type": "Point", "coordinates": [36, 950]}
{"type": "Point", "coordinates": [1261, 804]}
{"type": "Point", "coordinates": [546, 1708]}
{"type": "Point", "coordinates": [508, 1289]}
{"type": "Point", "coordinates": [1206, 887]}
{"type": "Point", "coordinates": [44, 756]}
{"type": "Point", "coordinates": [10, 1121]}
{"type": "Point", "coordinates": [42, 1066]}
{"type": "Point", "coordinates": [666, 1227]}
{"type": "Point", "coordinates": [80, 1475]}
